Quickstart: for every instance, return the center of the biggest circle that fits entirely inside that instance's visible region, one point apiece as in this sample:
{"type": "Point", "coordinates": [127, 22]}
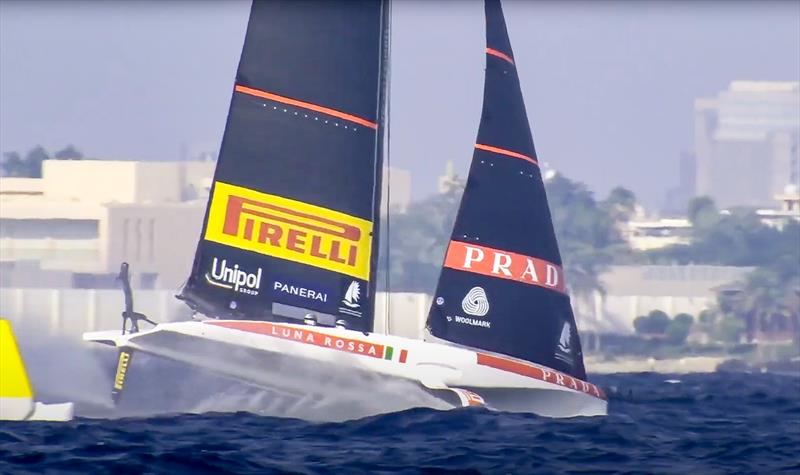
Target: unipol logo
{"type": "Point", "coordinates": [289, 229]}
{"type": "Point", "coordinates": [504, 265]}
{"type": "Point", "coordinates": [475, 302]}
{"type": "Point", "coordinates": [234, 278]}
{"type": "Point", "coordinates": [352, 295]}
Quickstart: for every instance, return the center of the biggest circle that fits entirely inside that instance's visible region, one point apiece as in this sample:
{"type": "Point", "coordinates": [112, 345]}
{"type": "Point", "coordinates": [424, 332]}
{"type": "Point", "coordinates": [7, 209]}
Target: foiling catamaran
{"type": "Point", "coordinates": [283, 280]}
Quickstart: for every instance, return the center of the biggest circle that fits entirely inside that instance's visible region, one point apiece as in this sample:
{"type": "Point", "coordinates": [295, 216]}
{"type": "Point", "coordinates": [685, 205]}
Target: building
{"type": "Point", "coordinates": [633, 291]}
{"type": "Point", "coordinates": [646, 234]}
{"type": "Point", "coordinates": [677, 198]}
{"type": "Point", "coordinates": [75, 225]}
{"type": "Point", "coordinates": [787, 210]}
{"type": "Point", "coordinates": [450, 180]}
{"type": "Point", "coordinates": [746, 142]}
{"type": "Point", "coordinates": [396, 189]}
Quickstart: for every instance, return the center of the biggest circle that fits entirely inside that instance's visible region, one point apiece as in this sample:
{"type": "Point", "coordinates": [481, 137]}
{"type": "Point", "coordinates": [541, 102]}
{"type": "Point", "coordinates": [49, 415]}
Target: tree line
{"type": "Point", "coordinates": [29, 165]}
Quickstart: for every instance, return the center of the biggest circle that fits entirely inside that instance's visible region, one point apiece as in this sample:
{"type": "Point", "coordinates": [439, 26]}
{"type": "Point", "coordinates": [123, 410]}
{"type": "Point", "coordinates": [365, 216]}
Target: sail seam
{"type": "Point", "coordinates": [305, 105]}
{"type": "Point", "coordinates": [499, 54]}
{"type": "Point", "coordinates": [509, 153]}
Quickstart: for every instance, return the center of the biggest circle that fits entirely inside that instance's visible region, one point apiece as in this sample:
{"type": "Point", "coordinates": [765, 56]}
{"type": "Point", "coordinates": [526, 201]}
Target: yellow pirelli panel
{"type": "Point", "coordinates": [289, 229]}
{"type": "Point", "coordinates": [13, 377]}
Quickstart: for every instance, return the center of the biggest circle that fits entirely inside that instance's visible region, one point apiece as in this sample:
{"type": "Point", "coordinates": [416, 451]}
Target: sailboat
{"type": "Point", "coordinates": [283, 280]}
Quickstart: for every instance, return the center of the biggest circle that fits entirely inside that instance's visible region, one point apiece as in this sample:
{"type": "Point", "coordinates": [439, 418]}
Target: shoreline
{"type": "Point", "coordinates": [688, 364]}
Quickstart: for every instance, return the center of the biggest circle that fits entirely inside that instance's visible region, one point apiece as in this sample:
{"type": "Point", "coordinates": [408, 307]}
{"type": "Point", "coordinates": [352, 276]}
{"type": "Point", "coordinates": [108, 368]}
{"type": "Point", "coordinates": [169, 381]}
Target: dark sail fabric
{"type": "Point", "coordinates": [502, 286]}
{"type": "Point", "coordinates": [289, 226]}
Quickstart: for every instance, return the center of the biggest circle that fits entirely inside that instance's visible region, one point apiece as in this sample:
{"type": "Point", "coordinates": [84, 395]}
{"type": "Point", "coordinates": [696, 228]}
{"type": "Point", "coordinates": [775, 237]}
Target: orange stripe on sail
{"type": "Point", "coordinates": [305, 105]}
{"type": "Point", "coordinates": [500, 55]}
{"type": "Point", "coordinates": [508, 153]}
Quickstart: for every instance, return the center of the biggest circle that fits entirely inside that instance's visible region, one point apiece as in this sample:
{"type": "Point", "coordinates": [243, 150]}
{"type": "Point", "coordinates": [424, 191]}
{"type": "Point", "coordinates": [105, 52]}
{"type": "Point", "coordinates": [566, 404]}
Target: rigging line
{"type": "Point", "coordinates": [388, 155]}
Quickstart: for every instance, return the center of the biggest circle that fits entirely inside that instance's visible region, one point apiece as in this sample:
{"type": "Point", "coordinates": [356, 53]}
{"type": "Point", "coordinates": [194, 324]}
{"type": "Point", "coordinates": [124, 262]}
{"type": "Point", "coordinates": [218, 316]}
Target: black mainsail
{"type": "Point", "coordinates": [501, 288]}
{"type": "Point", "coordinates": [291, 223]}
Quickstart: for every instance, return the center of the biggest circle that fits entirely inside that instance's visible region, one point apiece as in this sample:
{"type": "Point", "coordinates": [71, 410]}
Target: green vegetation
{"type": "Point", "coordinates": [15, 165]}
{"type": "Point", "coordinates": [658, 325]}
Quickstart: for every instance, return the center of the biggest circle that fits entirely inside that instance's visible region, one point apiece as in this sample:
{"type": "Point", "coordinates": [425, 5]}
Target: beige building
{"type": "Point", "coordinates": [645, 234]}
{"type": "Point", "coordinates": [396, 189]}
{"type": "Point", "coordinates": [633, 291]}
{"type": "Point", "coordinates": [747, 142]}
{"type": "Point", "coordinates": [75, 225]}
{"type": "Point", "coordinates": [788, 209]}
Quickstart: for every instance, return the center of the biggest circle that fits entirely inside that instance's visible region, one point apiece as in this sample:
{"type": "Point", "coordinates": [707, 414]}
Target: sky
{"type": "Point", "coordinates": [609, 85]}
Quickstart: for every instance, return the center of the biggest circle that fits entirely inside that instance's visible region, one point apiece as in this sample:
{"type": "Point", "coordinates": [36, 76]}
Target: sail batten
{"type": "Point", "coordinates": [502, 286]}
{"type": "Point", "coordinates": [503, 151]}
{"type": "Point", "coordinates": [500, 55]}
{"type": "Point", "coordinates": [290, 226]}
{"type": "Point", "coordinates": [305, 105]}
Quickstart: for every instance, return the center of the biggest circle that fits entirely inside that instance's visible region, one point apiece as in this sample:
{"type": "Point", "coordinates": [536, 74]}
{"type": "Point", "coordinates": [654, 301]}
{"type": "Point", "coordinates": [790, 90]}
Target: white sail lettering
{"type": "Point", "coordinates": [530, 269]}
{"type": "Point", "coordinates": [219, 275]}
{"type": "Point", "coordinates": [498, 266]}
{"type": "Point", "coordinates": [552, 276]}
{"type": "Point", "coordinates": [238, 279]}
{"type": "Point", "coordinates": [473, 255]}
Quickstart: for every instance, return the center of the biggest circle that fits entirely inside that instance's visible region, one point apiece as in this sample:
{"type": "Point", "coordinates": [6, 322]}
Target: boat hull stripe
{"type": "Point", "coordinates": [310, 337]}
{"type": "Point", "coordinates": [508, 153]}
{"type": "Point", "coordinates": [542, 374]}
{"type": "Point", "coordinates": [499, 54]}
{"type": "Point", "coordinates": [305, 105]}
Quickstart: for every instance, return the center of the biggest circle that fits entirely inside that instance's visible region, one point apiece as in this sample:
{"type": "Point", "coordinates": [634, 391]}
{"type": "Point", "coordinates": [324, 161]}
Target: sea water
{"type": "Point", "coordinates": [657, 423]}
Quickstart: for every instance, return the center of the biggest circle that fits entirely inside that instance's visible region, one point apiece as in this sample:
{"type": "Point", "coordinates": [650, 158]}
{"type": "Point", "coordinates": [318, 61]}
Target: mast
{"type": "Point", "coordinates": [381, 148]}
{"type": "Point", "coordinates": [291, 223]}
{"type": "Point", "coordinates": [501, 288]}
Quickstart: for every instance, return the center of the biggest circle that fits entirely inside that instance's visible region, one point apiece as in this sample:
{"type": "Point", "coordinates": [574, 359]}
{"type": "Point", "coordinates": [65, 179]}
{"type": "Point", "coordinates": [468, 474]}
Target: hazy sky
{"type": "Point", "coordinates": [609, 86]}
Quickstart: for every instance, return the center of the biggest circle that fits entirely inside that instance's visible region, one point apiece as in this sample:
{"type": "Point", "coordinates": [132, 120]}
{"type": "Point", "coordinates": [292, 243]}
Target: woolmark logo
{"type": "Point", "coordinates": [475, 302]}
{"type": "Point", "coordinates": [233, 278]}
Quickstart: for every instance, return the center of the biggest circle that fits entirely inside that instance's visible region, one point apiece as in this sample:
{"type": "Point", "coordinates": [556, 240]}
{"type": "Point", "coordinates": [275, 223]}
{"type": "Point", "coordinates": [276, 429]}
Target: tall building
{"type": "Point", "coordinates": [746, 142]}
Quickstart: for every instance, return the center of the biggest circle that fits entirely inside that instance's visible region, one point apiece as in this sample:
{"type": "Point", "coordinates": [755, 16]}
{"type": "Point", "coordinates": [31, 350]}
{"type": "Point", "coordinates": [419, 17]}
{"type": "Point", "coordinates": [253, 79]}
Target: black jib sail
{"type": "Point", "coordinates": [291, 224]}
{"type": "Point", "coordinates": [502, 286]}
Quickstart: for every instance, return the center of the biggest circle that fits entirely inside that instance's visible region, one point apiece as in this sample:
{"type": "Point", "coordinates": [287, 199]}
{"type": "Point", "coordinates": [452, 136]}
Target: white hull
{"type": "Point", "coordinates": [286, 357]}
